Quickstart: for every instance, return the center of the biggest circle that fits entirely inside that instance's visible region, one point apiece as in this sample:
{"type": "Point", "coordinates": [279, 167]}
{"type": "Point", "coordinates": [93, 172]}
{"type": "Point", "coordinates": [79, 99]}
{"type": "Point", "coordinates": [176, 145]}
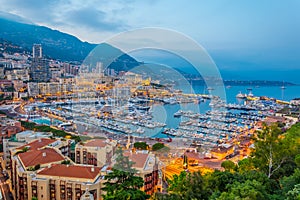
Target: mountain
{"type": "Point", "coordinates": [59, 45]}
{"type": "Point", "coordinates": [55, 44]}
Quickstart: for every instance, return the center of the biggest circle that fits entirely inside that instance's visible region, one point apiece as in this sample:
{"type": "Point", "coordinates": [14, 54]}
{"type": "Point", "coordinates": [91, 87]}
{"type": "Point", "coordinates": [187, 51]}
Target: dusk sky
{"type": "Point", "coordinates": [258, 34]}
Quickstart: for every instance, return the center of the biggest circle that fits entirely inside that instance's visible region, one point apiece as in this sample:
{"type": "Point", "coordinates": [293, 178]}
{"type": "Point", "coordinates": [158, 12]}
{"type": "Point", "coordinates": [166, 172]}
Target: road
{"type": "Point", "coordinates": [4, 188]}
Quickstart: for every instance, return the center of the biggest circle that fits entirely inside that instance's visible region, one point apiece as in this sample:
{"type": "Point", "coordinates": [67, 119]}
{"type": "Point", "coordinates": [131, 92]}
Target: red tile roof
{"type": "Point", "coordinates": [139, 159]}
{"type": "Point", "coordinates": [96, 143]}
{"type": "Point", "coordinates": [42, 156]}
{"type": "Point", "coordinates": [36, 144]}
{"type": "Point", "coordinates": [73, 171]}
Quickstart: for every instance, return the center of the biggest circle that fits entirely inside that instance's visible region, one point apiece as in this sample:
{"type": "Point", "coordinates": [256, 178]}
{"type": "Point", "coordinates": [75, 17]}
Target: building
{"type": "Point", "coordinates": [295, 101]}
{"type": "Point", "coordinates": [41, 170]}
{"type": "Point", "coordinates": [37, 51]}
{"type": "Point", "coordinates": [8, 128]}
{"type": "Point", "coordinates": [222, 151]}
{"type": "Point", "coordinates": [97, 152]}
{"type": "Point", "coordinates": [147, 166]}
{"type": "Point", "coordinates": [60, 182]}
{"type": "Point", "coordinates": [30, 158]}
{"type": "Point", "coordinates": [24, 165]}
{"type": "Point", "coordinates": [39, 70]}
{"type": "Point", "coordinates": [36, 140]}
{"type": "Point", "coordinates": [33, 89]}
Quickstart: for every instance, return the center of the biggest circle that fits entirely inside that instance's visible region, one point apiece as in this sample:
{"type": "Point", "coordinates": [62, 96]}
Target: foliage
{"type": "Point", "coordinates": [157, 146]}
{"type": "Point", "coordinates": [44, 128]}
{"type": "Point", "coordinates": [34, 168]}
{"type": "Point", "coordinates": [272, 173]}
{"type": "Point", "coordinates": [228, 165]}
{"type": "Point", "coordinates": [66, 162]}
{"type": "Point", "coordinates": [297, 160]}
{"type": "Point", "coordinates": [245, 165]}
{"type": "Point", "coordinates": [271, 150]}
{"type": "Point", "coordinates": [288, 182]}
{"type": "Point", "coordinates": [251, 189]}
{"type": "Point", "coordinates": [122, 183]}
{"type": "Point", "coordinates": [38, 166]}
{"type": "Point", "coordinates": [141, 145]}
{"type": "Point", "coordinates": [294, 194]}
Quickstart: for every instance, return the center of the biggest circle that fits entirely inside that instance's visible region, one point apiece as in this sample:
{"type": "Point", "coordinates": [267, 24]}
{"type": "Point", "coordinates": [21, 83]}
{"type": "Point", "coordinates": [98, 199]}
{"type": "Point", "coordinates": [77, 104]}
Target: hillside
{"type": "Point", "coordinates": [58, 45]}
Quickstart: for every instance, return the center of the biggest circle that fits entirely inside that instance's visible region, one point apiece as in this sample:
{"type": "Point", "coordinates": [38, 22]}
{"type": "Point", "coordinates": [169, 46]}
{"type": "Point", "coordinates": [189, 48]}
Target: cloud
{"type": "Point", "coordinates": [34, 10]}
{"type": "Point", "coordinates": [70, 15]}
{"type": "Point", "coordinates": [92, 18]}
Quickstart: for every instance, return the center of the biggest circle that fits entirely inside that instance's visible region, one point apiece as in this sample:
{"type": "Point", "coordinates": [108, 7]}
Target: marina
{"type": "Point", "coordinates": [205, 119]}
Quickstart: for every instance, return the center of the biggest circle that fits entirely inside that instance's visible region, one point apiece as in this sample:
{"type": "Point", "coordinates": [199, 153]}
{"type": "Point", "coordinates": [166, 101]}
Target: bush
{"type": "Point", "coordinates": [141, 145]}
{"type": "Point", "coordinates": [158, 146]}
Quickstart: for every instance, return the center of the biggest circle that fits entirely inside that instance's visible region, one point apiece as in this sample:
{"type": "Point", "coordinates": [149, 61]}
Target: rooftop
{"type": "Point", "coordinates": [36, 144]}
{"type": "Point", "coordinates": [222, 148]}
{"type": "Point", "coordinates": [139, 159]}
{"type": "Point", "coordinates": [42, 156]}
{"type": "Point", "coordinates": [96, 143]}
{"type": "Point", "coordinates": [73, 171]}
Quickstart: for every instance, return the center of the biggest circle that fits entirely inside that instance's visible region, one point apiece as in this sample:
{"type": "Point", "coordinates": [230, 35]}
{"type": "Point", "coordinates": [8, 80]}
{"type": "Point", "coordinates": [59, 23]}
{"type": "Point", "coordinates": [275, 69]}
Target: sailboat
{"type": "Point", "coordinates": [283, 87]}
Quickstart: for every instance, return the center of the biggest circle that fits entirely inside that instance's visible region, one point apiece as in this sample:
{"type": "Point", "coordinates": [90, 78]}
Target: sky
{"type": "Point", "coordinates": [253, 35]}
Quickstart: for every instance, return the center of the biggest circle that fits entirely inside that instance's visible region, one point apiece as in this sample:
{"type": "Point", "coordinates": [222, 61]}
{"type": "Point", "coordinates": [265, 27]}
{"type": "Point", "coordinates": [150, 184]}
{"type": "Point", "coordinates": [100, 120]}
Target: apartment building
{"type": "Point", "coordinates": [97, 152]}
{"type": "Point", "coordinates": [147, 165]}
{"type": "Point", "coordinates": [39, 169]}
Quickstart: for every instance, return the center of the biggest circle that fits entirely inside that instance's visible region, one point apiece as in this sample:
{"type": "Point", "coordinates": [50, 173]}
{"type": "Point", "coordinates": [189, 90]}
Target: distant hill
{"type": "Point", "coordinates": [58, 45]}
{"type": "Point", "coordinates": [55, 44]}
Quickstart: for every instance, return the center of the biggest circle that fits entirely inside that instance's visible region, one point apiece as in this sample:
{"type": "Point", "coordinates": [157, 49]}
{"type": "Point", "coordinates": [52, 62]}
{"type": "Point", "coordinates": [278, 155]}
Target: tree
{"type": "Point", "coordinates": [228, 165]}
{"type": "Point", "coordinates": [141, 145]}
{"type": "Point", "coordinates": [245, 165]}
{"type": "Point", "coordinates": [218, 180]}
{"type": "Point", "coordinates": [294, 194]}
{"type": "Point", "coordinates": [185, 186]}
{"type": "Point", "coordinates": [122, 183]}
{"type": "Point", "coordinates": [297, 160]}
{"type": "Point", "coordinates": [158, 146]}
{"type": "Point", "coordinates": [251, 189]}
{"type": "Point", "coordinates": [270, 150]}
{"type": "Point", "coordinates": [289, 182]}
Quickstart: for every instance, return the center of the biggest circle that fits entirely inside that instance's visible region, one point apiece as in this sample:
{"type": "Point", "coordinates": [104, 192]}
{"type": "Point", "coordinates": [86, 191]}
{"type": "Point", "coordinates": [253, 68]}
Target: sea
{"type": "Point", "coordinates": [165, 113]}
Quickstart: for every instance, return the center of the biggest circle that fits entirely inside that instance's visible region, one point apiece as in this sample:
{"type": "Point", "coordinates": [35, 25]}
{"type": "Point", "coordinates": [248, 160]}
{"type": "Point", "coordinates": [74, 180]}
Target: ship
{"type": "Point", "coordinates": [241, 96]}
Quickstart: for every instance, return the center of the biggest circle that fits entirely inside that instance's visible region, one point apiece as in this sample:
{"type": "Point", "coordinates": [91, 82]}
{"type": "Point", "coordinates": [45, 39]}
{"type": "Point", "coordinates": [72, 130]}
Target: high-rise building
{"type": "Point", "coordinates": [37, 51]}
{"type": "Point", "coordinates": [39, 71]}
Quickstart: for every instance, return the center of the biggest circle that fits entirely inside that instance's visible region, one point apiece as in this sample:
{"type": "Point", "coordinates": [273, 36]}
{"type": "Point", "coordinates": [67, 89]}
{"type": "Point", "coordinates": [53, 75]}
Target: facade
{"type": "Point", "coordinates": [37, 51]}
{"type": "Point", "coordinates": [49, 89]}
{"type": "Point", "coordinates": [24, 164]}
{"type": "Point", "coordinates": [97, 152]}
{"type": "Point", "coordinates": [60, 182]}
{"type": "Point", "coordinates": [29, 159]}
{"type": "Point", "coordinates": [39, 70]}
{"type": "Point", "coordinates": [38, 171]}
{"type": "Point", "coordinates": [222, 151]}
{"type": "Point", "coordinates": [33, 89]}
{"type": "Point", "coordinates": [147, 166]}
{"type": "Point", "coordinates": [295, 101]}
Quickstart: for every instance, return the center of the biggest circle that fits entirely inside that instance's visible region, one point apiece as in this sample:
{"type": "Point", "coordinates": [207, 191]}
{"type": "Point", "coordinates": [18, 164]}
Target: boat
{"type": "Point", "coordinates": [178, 113]}
{"type": "Point", "coordinates": [140, 130]}
{"type": "Point", "coordinates": [283, 87]}
{"type": "Point", "coordinates": [241, 96]}
{"type": "Point", "coordinates": [250, 94]}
